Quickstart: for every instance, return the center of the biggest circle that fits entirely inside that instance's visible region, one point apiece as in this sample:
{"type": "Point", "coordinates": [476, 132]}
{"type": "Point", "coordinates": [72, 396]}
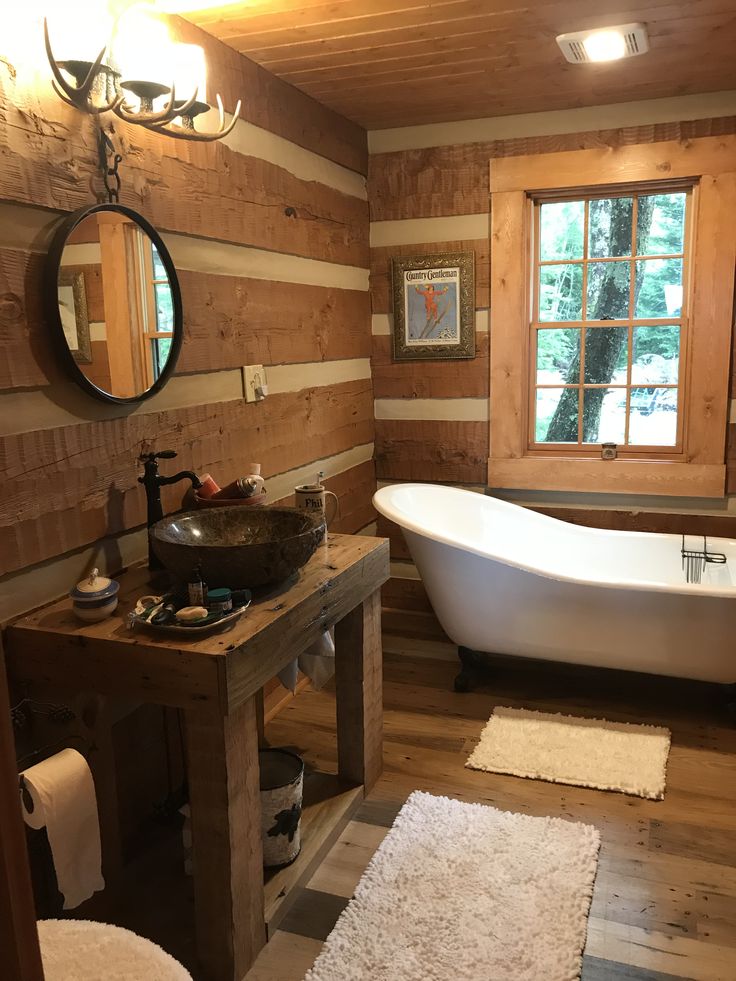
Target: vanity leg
{"type": "Point", "coordinates": [261, 717]}
{"type": "Point", "coordinates": [359, 684]}
{"type": "Point", "coordinates": [226, 839]}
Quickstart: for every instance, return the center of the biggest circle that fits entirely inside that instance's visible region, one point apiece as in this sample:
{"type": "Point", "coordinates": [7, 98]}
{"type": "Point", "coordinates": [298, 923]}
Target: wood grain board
{"type": "Point", "coordinates": [224, 795]}
{"type": "Point", "coordinates": [90, 470]}
{"type": "Point", "coordinates": [231, 197]}
{"type": "Point", "coordinates": [431, 450]}
{"type": "Point", "coordinates": [453, 180]}
{"type": "Point", "coordinates": [264, 322]}
{"type": "Point", "coordinates": [429, 379]}
{"type": "Point", "coordinates": [384, 64]}
{"type": "Point", "coordinates": [18, 934]}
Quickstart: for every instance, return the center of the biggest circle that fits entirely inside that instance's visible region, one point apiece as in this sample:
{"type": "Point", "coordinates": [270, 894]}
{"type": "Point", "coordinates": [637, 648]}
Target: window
{"type": "Point", "coordinates": [609, 321]}
{"type": "Point", "coordinates": [157, 310]}
{"type": "Point", "coordinates": [163, 320]}
{"type": "Point", "coordinates": [611, 304]}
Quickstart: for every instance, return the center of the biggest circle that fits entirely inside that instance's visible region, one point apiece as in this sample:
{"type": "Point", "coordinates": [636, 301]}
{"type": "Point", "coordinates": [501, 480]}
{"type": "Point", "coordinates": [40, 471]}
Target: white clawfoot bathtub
{"type": "Point", "coordinates": [505, 580]}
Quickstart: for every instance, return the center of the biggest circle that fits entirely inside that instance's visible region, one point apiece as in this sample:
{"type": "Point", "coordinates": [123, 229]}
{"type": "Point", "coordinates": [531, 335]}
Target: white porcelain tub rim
{"type": "Point", "coordinates": [382, 501]}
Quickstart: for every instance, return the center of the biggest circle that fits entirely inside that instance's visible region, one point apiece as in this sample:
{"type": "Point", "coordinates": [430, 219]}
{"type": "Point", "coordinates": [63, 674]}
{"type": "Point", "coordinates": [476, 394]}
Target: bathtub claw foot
{"type": "Point", "coordinates": [471, 672]}
{"type": "Point", "coordinates": [465, 681]}
{"type": "Point", "coordinates": [730, 691]}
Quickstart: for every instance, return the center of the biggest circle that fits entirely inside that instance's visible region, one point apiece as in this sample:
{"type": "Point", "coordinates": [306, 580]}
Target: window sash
{"type": "Point", "coordinates": [624, 449]}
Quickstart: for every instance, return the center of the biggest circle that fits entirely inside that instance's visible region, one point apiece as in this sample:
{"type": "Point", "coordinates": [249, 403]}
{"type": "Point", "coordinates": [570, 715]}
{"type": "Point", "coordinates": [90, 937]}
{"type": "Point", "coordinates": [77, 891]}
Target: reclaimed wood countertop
{"type": "Point", "coordinates": [50, 645]}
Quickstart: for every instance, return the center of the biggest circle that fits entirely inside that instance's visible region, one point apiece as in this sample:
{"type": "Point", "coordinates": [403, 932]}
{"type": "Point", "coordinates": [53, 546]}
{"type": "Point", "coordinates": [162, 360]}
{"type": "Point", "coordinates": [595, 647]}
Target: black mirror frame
{"type": "Point", "coordinates": [51, 302]}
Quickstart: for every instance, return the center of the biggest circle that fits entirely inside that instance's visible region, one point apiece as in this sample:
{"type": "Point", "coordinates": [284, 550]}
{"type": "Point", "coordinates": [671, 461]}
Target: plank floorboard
{"type": "Point", "coordinates": [664, 905]}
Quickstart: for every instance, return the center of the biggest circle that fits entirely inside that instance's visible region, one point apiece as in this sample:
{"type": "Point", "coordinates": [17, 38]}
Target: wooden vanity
{"type": "Point", "coordinates": [217, 681]}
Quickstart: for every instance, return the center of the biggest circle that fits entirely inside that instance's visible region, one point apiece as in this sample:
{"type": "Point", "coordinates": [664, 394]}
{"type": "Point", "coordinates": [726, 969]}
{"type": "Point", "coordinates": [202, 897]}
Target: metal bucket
{"type": "Point", "coordinates": [282, 778]}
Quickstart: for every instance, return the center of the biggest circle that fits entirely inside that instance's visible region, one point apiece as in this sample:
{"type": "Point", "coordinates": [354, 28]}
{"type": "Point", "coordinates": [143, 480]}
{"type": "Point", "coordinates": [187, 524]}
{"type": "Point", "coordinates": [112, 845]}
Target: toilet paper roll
{"type": "Point", "coordinates": [64, 802]}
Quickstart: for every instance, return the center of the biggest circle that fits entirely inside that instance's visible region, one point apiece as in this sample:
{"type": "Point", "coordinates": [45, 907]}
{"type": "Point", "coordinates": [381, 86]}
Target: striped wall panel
{"type": "Point", "coordinates": [269, 232]}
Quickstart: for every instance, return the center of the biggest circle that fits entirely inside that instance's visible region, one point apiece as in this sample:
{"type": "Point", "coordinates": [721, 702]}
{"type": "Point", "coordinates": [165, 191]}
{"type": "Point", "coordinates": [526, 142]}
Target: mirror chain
{"type": "Point", "coordinates": [110, 170]}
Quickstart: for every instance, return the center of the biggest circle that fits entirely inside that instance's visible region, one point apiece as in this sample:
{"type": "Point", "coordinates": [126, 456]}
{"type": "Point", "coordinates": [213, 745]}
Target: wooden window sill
{"type": "Point", "coordinates": [662, 478]}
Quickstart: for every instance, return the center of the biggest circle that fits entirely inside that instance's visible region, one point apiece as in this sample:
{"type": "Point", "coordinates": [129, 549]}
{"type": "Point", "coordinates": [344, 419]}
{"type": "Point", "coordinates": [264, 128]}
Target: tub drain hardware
{"type": "Point", "coordinates": [694, 561]}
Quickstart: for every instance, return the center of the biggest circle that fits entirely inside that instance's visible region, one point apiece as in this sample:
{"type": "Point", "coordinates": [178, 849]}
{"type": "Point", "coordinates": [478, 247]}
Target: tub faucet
{"type": "Point", "coordinates": [153, 481]}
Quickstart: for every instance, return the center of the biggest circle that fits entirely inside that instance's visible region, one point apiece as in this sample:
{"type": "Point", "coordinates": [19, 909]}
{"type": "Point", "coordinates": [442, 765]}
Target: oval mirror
{"type": "Point", "coordinates": [114, 302]}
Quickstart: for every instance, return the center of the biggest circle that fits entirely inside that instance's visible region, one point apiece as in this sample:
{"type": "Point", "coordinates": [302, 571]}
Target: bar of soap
{"type": "Point", "coordinates": [191, 613]}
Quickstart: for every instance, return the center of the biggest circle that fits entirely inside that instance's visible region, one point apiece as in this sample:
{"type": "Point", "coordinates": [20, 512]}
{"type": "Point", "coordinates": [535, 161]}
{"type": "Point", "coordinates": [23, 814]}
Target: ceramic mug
{"type": "Point", "coordinates": [313, 497]}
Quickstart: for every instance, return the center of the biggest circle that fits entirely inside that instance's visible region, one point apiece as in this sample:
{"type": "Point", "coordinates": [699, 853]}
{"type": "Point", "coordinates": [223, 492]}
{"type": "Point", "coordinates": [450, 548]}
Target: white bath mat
{"type": "Point", "coordinates": [469, 893]}
{"type": "Point", "coordinates": [582, 752]}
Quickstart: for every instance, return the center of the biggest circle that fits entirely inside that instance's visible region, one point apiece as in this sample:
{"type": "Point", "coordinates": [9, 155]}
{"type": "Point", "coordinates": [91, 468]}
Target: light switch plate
{"type": "Point", "coordinates": [254, 377]}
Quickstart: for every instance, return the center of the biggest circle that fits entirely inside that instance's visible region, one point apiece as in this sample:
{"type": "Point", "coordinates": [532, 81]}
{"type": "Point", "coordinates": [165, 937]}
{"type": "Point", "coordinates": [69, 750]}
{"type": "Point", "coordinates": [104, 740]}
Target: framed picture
{"type": "Point", "coordinates": [74, 316]}
{"type": "Point", "coordinates": [434, 306]}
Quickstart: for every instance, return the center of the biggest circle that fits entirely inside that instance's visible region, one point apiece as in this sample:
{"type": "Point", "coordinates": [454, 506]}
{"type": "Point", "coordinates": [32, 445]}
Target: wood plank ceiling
{"type": "Point", "coordinates": [390, 63]}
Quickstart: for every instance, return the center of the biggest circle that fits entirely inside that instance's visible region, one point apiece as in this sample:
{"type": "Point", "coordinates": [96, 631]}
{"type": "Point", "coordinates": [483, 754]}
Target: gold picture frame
{"type": "Point", "coordinates": [433, 306]}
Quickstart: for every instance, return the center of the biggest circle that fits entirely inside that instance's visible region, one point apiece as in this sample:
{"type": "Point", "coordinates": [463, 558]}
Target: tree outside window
{"type": "Point", "coordinates": [609, 319]}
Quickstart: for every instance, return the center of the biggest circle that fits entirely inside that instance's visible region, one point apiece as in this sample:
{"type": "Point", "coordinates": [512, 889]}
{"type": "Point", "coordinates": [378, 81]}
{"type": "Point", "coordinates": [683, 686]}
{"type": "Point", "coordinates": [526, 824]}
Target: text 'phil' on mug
{"type": "Point", "coordinates": [313, 497]}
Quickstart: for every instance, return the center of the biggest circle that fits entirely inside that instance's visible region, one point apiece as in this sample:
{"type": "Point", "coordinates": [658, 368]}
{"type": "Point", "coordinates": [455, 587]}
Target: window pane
{"type": "Point", "coordinates": [658, 288]}
{"type": "Point", "coordinates": [608, 290]}
{"type": "Point", "coordinates": [610, 230]}
{"type": "Point", "coordinates": [561, 230]}
{"type": "Point", "coordinates": [606, 355]}
{"type": "Point", "coordinates": [164, 307]}
{"type": "Point", "coordinates": [660, 224]}
{"type": "Point", "coordinates": [558, 356]}
{"type": "Point", "coordinates": [656, 355]}
{"type": "Point", "coordinates": [556, 419]}
{"type": "Point", "coordinates": [604, 415]}
{"type": "Point", "coordinates": [653, 418]}
{"type": "Point", "coordinates": [160, 348]}
{"type": "Point", "coordinates": [560, 293]}
{"type": "Point", "coordinates": [159, 272]}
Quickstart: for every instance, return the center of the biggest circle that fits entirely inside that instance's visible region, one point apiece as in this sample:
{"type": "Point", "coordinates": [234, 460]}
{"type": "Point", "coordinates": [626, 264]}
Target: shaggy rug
{"type": "Point", "coordinates": [581, 752]}
{"type": "Point", "coordinates": [83, 950]}
{"type": "Point", "coordinates": [467, 892]}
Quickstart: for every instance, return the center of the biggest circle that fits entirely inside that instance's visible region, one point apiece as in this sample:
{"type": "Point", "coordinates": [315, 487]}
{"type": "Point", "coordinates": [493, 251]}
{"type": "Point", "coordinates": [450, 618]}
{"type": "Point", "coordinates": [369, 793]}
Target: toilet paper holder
{"type": "Point", "coordinates": [33, 757]}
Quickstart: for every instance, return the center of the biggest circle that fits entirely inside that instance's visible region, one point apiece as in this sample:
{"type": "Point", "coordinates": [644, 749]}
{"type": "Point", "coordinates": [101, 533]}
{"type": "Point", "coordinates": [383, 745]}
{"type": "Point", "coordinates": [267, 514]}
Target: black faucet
{"type": "Point", "coordinates": [153, 482]}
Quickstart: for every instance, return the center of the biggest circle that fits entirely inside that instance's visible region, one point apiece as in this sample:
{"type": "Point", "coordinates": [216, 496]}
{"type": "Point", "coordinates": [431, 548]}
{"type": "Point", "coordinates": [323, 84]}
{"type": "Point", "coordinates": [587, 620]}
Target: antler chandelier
{"type": "Point", "coordinates": [97, 87]}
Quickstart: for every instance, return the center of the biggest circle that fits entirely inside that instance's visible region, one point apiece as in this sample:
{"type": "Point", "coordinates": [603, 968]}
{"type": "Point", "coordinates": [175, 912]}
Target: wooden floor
{"type": "Point", "coordinates": [664, 905]}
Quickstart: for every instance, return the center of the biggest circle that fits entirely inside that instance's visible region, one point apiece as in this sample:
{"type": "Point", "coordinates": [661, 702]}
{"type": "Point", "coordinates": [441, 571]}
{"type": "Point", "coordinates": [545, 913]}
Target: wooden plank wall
{"type": "Point", "coordinates": [258, 286]}
{"type": "Point", "coordinates": [431, 419]}
{"type": "Point", "coordinates": [269, 232]}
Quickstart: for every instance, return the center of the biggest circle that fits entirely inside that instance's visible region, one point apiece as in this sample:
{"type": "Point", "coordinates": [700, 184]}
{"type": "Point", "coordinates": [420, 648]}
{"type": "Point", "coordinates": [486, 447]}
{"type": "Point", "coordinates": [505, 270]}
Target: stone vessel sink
{"type": "Point", "coordinates": [237, 547]}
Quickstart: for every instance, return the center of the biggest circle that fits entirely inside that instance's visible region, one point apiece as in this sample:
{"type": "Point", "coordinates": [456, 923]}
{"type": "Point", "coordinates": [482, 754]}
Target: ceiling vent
{"type": "Point", "coordinates": [604, 44]}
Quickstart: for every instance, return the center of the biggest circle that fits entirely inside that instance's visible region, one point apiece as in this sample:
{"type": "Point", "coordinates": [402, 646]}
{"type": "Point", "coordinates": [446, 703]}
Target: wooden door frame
{"type": "Point", "coordinates": [18, 932]}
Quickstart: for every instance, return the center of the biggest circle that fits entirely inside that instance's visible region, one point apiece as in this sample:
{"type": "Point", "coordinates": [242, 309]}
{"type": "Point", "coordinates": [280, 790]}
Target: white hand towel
{"type": "Point", "coordinates": [64, 802]}
{"type": "Point", "coordinates": [318, 661]}
{"type": "Point", "coordinates": [289, 675]}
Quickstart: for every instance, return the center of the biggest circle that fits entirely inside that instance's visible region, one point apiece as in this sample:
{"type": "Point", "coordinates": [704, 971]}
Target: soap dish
{"type": "Point", "coordinates": [212, 624]}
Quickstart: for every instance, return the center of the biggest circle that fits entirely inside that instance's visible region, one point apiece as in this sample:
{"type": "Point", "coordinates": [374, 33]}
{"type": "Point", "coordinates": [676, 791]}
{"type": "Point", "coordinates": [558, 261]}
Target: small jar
{"type": "Point", "coordinates": [95, 598]}
{"type": "Point", "coordinates": [220, 600]}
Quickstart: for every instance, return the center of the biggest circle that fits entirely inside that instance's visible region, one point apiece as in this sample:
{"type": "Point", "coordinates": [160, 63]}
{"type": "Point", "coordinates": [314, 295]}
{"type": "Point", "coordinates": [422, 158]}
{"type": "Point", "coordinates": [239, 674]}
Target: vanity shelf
{"type": "Point", "coordinates": [217, 680]}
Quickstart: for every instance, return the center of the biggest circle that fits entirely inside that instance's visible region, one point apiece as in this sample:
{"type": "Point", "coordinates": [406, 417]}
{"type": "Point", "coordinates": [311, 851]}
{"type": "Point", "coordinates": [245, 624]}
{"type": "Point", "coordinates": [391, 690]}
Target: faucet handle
{"type": "Point", "coordinates": [163, 455]}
